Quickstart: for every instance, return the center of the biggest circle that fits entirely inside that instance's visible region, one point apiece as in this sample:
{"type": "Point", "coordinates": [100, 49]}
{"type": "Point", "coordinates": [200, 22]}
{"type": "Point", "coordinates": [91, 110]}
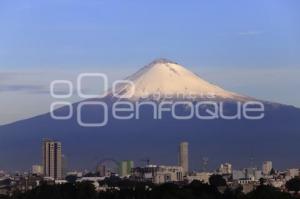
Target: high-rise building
{"type": "Point", "coordinates": [267, 167]}
{"type": "Point", "coordinates": [184, 156]}
{"type": "Point", "coordinates": [125, 167]}
{"type": "Point", "coordinates": [52, 159]}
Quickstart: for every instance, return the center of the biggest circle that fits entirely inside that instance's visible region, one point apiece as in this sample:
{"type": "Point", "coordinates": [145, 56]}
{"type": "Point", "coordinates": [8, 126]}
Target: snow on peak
{"type": "Point", "coordinates": [162, 61]}
{"type": "Point", "coordinates": [163, 78]}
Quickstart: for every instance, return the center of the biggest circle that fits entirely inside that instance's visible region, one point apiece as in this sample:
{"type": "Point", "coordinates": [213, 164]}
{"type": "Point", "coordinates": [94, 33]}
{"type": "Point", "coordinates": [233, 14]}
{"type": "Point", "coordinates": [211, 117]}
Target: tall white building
{"type": "Point", "coordinates": [52, 159]}
{"type": "Point", "coordinates": [184, 156]}
{"type": "Point", "coordinates": [267, 167]}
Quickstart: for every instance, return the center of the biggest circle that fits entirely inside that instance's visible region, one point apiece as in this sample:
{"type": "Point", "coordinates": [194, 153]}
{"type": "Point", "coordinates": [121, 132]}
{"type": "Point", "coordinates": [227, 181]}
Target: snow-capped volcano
{"type": "Point", "coordinates": [135, 137]}
{"type": "Point", "coordinates": [163, 78]}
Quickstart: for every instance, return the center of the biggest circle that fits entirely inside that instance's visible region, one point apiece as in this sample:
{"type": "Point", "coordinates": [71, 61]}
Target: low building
{"type": "Point", "coordinates": [5, 185]}
{"type": "Point", "coordinates": [238, 174]}
{"type": "Point", "coordinates": [95, 181]}
{"type": "Point", "coordinates": [37, 170]}
{"type": "Point", "coordinates": [200, 176]}
{"type": "Point", "coordinates": [248, 173]}
{"type": "Point", "coordinates": [168, 174]}
{"type": "Point", "coordinates": [74, 173]}
{"type": "Point", "coordinates": [158, 174]}
{"type": "Point", "coordinates": [225, 168]}
{"type": "Point", "coordinates": [291, 173]}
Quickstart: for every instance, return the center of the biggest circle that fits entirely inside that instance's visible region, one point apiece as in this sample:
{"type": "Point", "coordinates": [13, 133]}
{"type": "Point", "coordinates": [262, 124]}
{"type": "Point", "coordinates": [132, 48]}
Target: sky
{"type": "Point", "coordinates": [251, 47]}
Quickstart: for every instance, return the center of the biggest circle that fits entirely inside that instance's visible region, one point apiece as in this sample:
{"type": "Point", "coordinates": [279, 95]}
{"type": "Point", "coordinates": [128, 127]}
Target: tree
{"type": "Point", "coordinates": [166, 191]}
{"type": "Point", "coordinates": [293, 184]}
{"type": "Point", "coordinates": [85, 190]}
{"type": "Point", "coordinates": [217, 181]}
{"type": "Point", "coordinates": [202, 190]}
{"type": "Point", "coordinates": [3, 196]}
{"type": "Point", "coordinates": [234, 193]}
{"type": "Point", "coordinates": [262, 181]}
{"type": "Point", "coordinates": [272, 172]}
{"type": "Point", "coordinates": [267, 192]}
{"type": "Point", "coordinates": [71, 178]}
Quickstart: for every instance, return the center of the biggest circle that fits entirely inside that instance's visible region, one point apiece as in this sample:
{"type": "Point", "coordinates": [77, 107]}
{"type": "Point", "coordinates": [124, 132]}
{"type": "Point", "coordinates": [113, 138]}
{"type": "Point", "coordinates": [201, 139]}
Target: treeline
{"type": "Point", "coordinates": [137, 190]}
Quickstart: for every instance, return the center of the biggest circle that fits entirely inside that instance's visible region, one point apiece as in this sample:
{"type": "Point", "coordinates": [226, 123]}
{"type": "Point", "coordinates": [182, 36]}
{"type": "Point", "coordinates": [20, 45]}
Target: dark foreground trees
{"type": "Point", "coordinates": [66, 191]}
{"type": "Point", "coordinates": [136, 190]}
{"type": "Point", "coordinates": [268, 192]}
{"type": "Point", "coordinates": [293, 184]}
{"type": "Point", "coordinates": [217, 181]}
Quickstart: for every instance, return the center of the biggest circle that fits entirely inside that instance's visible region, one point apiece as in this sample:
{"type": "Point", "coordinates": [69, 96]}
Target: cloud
{"type": "Point", "coordinates": [37, 89]}
{"type": "Point", "coordinates": [28, 83]}
{"type": "Point", "coordinates": [24, 88]}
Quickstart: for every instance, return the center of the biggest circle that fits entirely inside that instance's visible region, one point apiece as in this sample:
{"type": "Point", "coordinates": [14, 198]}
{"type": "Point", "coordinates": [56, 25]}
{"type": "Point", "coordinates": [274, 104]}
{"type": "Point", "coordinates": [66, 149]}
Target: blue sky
{"type": "Point", "coordinates": [249, 46]}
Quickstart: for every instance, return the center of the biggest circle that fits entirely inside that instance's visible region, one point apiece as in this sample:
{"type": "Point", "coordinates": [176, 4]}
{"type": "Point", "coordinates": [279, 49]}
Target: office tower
{"type": "Point", "coordinates": [184, 156]}
{"type": "Point", "coordinates": [267, 167]}
{"type": "Point", "coordinates": [125, 167]}
{"type": "Point", "coordinates": [52, 159]}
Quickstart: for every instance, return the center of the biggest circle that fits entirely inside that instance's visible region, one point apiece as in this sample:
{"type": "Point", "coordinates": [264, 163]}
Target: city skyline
{"type": "Point", "coordinates": [52, 163]}
{"type": "Point", "coordinates": [52, 167]}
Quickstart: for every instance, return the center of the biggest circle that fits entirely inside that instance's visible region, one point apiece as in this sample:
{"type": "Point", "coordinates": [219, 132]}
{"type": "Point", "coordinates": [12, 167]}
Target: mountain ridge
{"type": "Point", "coordinates": [274, 137]}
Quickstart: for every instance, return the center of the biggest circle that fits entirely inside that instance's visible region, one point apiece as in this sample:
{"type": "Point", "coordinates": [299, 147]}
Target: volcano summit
{"type": "Point", "coordinates": [167, 79]}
